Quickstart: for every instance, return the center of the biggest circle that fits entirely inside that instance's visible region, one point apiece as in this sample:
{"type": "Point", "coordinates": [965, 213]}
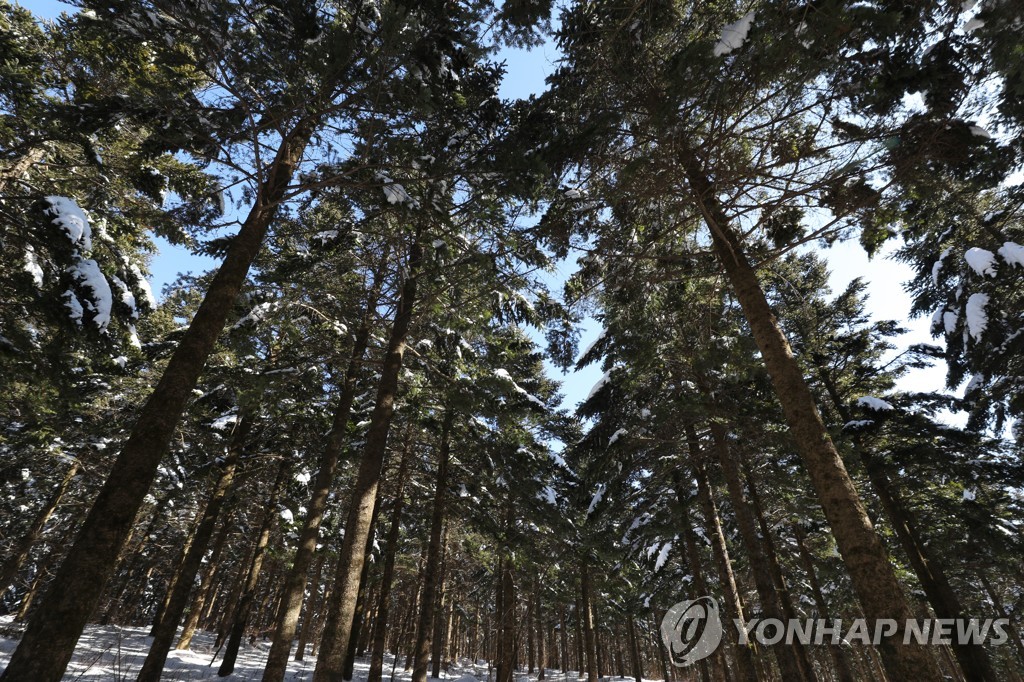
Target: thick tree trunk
{"type": "Point", "coordinates": [840, 660]}
{"type": "Point", "coordinates": [380, 623]}
{"type": "Point", "coordinates": [12, 566]}
{"type": "Point", "coordinates": [206, 582]}
{"type": "Point", "coordinates": [742, 657]}
{"type": "Point", "coordinates": [50, 638]}
{"type": "Point", "coordinates": [872, 575]}
{"type": "Point", "coordinates": [587, 613]}
{"type": "Point", "coordinates": [338, 628]}
{"type": "Point", "coordinates": [180, 589]}
{"type": "Point", "coordinates": [792, 659]}
{"type": "Point", "coordinates": [432, 568]}
{"type": "Point", "coordinates": [443, 607]}
{"type": "Point", "coordinates": [295, 583]}
{"type": "Point", "coordinates": [245, 601]}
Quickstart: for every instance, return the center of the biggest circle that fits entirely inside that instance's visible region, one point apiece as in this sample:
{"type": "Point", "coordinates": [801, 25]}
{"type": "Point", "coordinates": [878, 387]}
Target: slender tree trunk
{"type": "Point", "coordinates": [444, 607]}
{"type": "Point", "coordinates": [42, 571]}
{"type": "Point", "coordinates": [972, 658]}
{"type": "Point", "coordinates": [873, 579]}
{"type": "Point", "coordinates": [180, 588]}
{"type": "Point", "coordinates": [21, 550]}
{"type": "Point", "coordinates": [205, 587]}
{"type": "Point", "coordinates": [338, 629]}
{"type": "Point", "coordinates": [507, 617]}
{"type": "Point", "coordinates": [434, 549]}
{"type": "Point", "coordinates": [361, 597]}
{"type": "Point", "coordinates": [839, 657]}
{"type": "Point", "coordinates": [1003, 613]}
{"type": "Point", "coordinates": [563, 635]}
{"type": "Point", "coordinates": [634, 649]}
{"type": "Point", "coordinates": [245, 602]}
{"type": "Point", "coordinates": [587, 613]}
{"type": "Point", "coordinates": [295, 583]}
{"type": "Point", "coordinates": [540, 627]}
{"type": "Point", "coordinates": [791, 664]}
{"type": "Point", "coordinates": [312, 604]}
{"type": "Point", "coordinates": [50, 638]}
{"type": "Point", "coordinates": [742, 655]}
{"type": "Point", "coordinates": [716, 667]}
{"type": "Point", "coordinates": [380, 624]}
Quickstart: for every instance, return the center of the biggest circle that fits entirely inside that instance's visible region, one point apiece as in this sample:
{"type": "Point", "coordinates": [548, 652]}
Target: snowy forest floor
{"type": "Point", "coordinates": [109, 652]}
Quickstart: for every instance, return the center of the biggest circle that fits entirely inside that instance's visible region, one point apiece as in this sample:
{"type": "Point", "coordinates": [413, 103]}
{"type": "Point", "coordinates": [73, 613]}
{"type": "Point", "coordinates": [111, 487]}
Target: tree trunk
{"type": "Point", "coordinates": [1003, 613]}
{"type": "Point", "coordinates": [21, 550]}
{"type": "Point", "coordinates": [563, 635]}
{"type": "Point", "coordinates": [836, 651]}
{"type": "Point", "coordinates": [380, 624]}
{"type": "Point", "coordinates": [50, 638]}
{"type": "Point", "coordinates": [338, 629]}
{"type": "Point", "coordinates": [361, 597]}
{"type": "Point", "coordinates": [716, 667]}
{"type": "Point", "coordinates": [972, 658]}
{"type": "Point", "coordinates": [295, 583]}
{"type": "Point", "coordinates": [792, 665]}
{"type": "Point", "coordinates": [181, 587]}
{"type": "Point", "coordinates": [587, 613]}
{"type": "Point", "coordinates": [444, 607]}
{"type": "Point", "coordinates": [540, 627]}
{"type": "Point", "coordinates": [245, 601]}
{"type": "Point", "coordinates": [872, 575]}
{"type": "Point", "coordinates": [312, 604]}
{"type": "Point", "coordinates": [432, 568]}
{"type": "Point", "coordinates": [205, 588]}
{"type": "Point", "coordinates": [634, 649]}
{"type": "Point", "coordinates": [742, 656]}
{"type": "Point", "coordinates": [507, 618]}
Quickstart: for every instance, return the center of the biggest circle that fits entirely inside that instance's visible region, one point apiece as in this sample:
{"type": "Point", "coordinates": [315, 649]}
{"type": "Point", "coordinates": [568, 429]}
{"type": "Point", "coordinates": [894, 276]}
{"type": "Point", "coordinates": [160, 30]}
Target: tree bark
{"type": "Point", "coordinates": [587, 613]}
{"type": "Point", "coordinates": [180, 589]}
{"type": "Point", "coordinates": [507, 618]}
{"type": "Point", "coordinates": [840, 660]}
{"type": "Point", "coordinates": [431, 571]}
{"type": "Point", "coordinates": [295, 583]}
{"type": "Point", "coordinates": [50, 638]}
{"type": "Point", "coordinates": [361, 598]}
{"type": "Point", "coordinates": [742, 656]}
{"type": "Point", "coordinates": [971, 658]}
{"type": "Point", "coordinates": [380, 624]}
{"type": "Point", "coordinates": [312, 604]}
{"type": "Point", "coordinates": [206, 581]}
{"type": "Point", "coordinates": [338, 629]}
{"type": "Point", "coordinates": [865, 557]}
{"type": "Point", "coordinates": [792, 665]}
{"type": "Point", "coordinates": [21, 550]}
{"type": "Point", "coordinates": [716, 668]}
{"type": "Point", "coordinates": [245, 601]}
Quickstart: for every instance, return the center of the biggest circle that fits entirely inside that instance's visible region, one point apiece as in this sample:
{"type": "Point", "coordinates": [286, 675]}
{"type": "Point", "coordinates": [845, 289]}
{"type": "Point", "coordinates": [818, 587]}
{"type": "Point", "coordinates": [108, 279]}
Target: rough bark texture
{"type": "Point", "coordinates": [295, 583]}
{"type": "Point", "coordinates": [338, 629]}
{"type": "Point", "coordinates": [177, 599]}
{"type": "Point", "coordinates": [425, 627]}
{"type": "Point", "coordinates": [27, 541]}
{"type": "Point", "coordinates": [873, 579]}
{"type": "Point", "coordinates": [50, 638]}
{"type": "Point", "coordinates": [245, 601]}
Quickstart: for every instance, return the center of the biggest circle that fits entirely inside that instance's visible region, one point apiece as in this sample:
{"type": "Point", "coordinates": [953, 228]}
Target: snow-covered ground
{"type": "Point", "coordinates": [116, 653]}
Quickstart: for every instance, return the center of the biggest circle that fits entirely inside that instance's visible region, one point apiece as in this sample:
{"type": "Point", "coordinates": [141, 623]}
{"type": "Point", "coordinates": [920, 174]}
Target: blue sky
{"type": "Point", "coordinates": [526, 71]}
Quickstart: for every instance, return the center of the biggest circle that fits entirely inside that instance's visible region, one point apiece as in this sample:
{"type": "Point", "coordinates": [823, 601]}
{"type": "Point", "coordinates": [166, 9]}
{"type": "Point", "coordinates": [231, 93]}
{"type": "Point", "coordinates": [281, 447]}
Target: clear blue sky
{"type": "Point", "coordinates": [525, 76]}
